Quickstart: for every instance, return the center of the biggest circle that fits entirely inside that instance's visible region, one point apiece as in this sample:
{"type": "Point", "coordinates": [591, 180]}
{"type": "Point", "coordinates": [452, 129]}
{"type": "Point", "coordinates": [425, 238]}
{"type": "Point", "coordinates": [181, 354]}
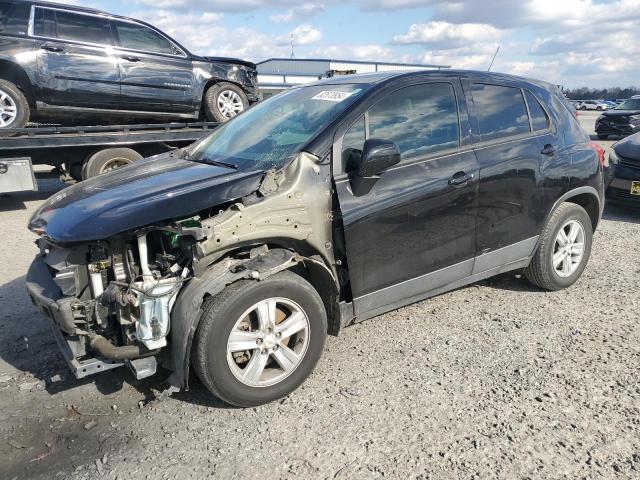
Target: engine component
{"type": "Point", "coordinates": [155, 304]}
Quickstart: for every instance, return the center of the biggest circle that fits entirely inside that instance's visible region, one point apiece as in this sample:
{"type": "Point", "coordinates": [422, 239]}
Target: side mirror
{"type": "Point", "coordinates": [377, 156]}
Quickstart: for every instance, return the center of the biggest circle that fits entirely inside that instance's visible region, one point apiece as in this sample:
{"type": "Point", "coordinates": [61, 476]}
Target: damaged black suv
{"type": "Point", "coordinates": [326, 204]}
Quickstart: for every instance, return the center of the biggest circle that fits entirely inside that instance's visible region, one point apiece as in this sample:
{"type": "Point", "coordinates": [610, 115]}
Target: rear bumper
{"type": "Point", "coordinates": [46, 296]}
{"type": "Point", "coordinates": [619, 192]}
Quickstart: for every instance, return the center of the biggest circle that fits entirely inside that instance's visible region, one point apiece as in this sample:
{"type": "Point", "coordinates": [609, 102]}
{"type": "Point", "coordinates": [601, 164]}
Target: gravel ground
{"type": "Point", "coordinates": [496, 380]}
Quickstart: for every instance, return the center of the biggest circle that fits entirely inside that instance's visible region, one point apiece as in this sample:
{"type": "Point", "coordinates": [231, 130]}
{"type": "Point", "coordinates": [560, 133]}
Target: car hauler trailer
{"type": "Point", "coordinates": [81, 152]}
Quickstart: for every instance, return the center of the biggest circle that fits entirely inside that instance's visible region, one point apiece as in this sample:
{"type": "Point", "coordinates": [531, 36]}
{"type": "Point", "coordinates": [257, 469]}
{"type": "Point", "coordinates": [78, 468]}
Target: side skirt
{"type": "Point", "coordinates": [506, 259]}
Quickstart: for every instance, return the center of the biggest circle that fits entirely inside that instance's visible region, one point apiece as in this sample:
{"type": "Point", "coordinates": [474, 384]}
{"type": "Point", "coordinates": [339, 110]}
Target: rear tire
{"type": "Point", "coordinates": [14, 108]}
{"type": "Point", "coordinates": [225, 371]}
{"type": "Point", "coordinates": [223, 101]}
{"type": "Point", "coordinates": [544, 270]}
{"type": "Point", "coordinates": [104, 161]}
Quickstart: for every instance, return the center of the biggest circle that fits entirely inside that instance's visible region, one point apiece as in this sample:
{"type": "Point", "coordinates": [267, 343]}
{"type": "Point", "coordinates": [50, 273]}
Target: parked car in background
{"type": "Point", "coordinates": [328, 203]}
{"type": "Point", "coordinates": [624, 171]}
{"type": "Point", "coordinates": [593, 105]}
{"type": "Point", "coordinates": [621, 120]}
{"type": "Point", "coordinates": [63, 59]}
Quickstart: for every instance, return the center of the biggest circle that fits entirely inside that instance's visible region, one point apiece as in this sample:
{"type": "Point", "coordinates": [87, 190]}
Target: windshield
{"type": "Point", "coordinates": [271, 133]}
{"type": "Point", "coordinates": [631, 104]}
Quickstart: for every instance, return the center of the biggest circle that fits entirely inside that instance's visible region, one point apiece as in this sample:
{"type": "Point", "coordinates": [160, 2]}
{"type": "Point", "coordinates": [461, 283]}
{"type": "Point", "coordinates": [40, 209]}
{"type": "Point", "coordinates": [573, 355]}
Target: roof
{"type": "Point", "coordinates": [372, 78]}
{"type": "Point", "coordinates": [358, 62]}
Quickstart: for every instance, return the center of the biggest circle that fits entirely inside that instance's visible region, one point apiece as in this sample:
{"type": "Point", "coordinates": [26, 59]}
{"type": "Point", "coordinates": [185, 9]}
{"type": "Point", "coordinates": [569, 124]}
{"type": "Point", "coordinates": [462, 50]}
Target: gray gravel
{"type": "Point", "coordinates": [497, 380]}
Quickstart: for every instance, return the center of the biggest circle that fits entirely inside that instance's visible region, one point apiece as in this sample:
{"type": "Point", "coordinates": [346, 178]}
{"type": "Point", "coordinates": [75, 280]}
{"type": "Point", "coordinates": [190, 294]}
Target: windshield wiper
{"type": "Point", "coordinates": [210, 161]}
{"type": "Point", "coordinates": [217, 163]}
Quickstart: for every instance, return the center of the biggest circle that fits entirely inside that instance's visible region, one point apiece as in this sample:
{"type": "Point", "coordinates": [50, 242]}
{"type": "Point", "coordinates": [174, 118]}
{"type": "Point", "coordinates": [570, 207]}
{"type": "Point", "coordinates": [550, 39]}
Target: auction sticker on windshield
{"type": "Point", "coordinates": [333, 95]}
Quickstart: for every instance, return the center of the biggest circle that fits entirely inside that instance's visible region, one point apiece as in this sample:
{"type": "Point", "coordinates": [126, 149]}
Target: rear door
{"type": "Point", "coordinates": [510, 194]}
{"type": "Point", "coordinates": [77, 65]}
{"type": "Point", "coordinates": [157, 75]}
{"type": "Point", "coordinates": [415, 230]}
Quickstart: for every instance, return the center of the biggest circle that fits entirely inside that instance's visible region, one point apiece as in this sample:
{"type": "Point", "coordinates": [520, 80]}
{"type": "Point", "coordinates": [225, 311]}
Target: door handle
{"type": "Point", "coordinates": [131, 58]}
{"type": "Point", "coordinates": [52, 48]}
{"type": "Point", "coordinates": [548, 150]}
{"type": "Point", "coordinates": [460, 179]}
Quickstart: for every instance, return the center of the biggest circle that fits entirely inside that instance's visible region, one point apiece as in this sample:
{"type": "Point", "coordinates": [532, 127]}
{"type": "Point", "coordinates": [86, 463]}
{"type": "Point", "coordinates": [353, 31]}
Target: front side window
{"type": "Point", "coordinates": [352, 144]}
{"type": "Point", "coordinates": [139, 37]}
{"type": "Point", "coordinates": [83, 28]}
{"type": "Point", "coordinates": [14, 18]}
{"type": "Point", "coordinates": [539, 119]}
{"type": "Point", "coordinates": [421, 119]}
{"type": "Point", "coordinates": [270, 134]}
{"type": "Point", "coordinates": [500, 111]}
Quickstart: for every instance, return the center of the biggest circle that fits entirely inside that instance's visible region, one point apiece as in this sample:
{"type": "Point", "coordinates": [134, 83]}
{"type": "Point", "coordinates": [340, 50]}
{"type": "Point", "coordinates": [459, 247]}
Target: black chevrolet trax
{"type": "Point", "coordinates": [68, 60]}
{"type": "Point", "coordinates": [327, 204]}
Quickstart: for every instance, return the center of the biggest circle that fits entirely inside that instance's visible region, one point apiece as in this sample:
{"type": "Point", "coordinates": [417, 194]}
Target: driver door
{"type": "Point", "coordinates": [414, 232]}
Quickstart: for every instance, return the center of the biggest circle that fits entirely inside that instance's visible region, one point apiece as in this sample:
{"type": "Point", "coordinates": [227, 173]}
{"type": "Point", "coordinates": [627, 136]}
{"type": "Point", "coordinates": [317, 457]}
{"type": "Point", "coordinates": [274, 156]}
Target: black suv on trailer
{"type": "Point", "coordinates": [63, 59]}
{"type": "Point", "coordinates": [328, 203]}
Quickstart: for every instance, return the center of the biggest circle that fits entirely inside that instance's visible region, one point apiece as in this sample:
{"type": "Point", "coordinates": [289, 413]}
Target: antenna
{"type": "Point", "coordinates": [292, 54]}
{"type": "Point", "coordinates": [493, 59]}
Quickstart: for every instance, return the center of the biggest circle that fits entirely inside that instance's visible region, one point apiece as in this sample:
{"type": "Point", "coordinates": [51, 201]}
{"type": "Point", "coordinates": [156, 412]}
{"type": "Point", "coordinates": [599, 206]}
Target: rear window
{"type": "Point", "coordinates": [14, 18]}
{"type": "Point", "coordinates": [83, 28]}
{"type": "Point", "coordinates": [500, 111]}
{"type": "Point", "coordinates": [539, 119]}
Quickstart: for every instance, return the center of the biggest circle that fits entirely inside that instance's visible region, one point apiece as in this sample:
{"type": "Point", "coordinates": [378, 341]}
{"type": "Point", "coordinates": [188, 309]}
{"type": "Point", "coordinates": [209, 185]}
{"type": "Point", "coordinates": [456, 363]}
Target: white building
{"type": "Point", "coordinates": [276, 74]}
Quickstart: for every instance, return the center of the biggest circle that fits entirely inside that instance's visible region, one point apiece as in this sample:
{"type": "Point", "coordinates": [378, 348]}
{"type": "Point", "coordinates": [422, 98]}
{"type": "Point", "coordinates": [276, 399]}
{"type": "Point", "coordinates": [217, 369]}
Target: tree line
{"type": "Point", "coordinates": [585, 93]}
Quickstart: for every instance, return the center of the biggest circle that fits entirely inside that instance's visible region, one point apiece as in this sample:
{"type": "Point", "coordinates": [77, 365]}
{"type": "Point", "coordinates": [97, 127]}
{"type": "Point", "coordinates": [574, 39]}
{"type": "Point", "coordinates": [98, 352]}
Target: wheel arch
{"type": "Point", "coordinates": [587, 197]}
{"type": "Point", "coordinates": [264, 261]}
{"type": "Point", "coordinates": [15, 74]}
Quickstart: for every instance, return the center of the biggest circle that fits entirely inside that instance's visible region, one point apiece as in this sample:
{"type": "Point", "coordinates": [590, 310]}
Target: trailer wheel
{"type": "Point", "coordinates": [14, 108]}
{"type": "Point", "coordinates": [109, 159]}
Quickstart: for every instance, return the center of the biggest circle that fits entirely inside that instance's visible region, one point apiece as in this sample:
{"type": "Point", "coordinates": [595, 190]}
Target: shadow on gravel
{"type": "Point", "coordinates": [619, 213]}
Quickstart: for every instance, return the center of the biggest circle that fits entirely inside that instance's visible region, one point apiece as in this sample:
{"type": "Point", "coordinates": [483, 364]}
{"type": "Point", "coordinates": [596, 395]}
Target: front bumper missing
{"type": "Point", "coordinates": [46, 296]}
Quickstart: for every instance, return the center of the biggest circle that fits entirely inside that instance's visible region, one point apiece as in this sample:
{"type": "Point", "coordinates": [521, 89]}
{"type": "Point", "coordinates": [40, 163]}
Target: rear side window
{"type": "Point", "coordinates": [139, 37]}
{"type": "Point", "coordinates": [539, 119]}
{"type": "Point", "coordinates": [83, 28]}
{"type": "Point", "coordinates": [500, 111]}
{"type": "Point", "coordinates": [421, 119]}
{"type": "Point", "coordinates": [14, 18]}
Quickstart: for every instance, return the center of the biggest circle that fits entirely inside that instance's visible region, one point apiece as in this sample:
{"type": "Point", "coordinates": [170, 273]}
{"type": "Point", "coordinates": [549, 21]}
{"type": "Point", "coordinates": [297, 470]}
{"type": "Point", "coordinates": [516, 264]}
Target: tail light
{"type": "Point", "coordinates": [599, 151]}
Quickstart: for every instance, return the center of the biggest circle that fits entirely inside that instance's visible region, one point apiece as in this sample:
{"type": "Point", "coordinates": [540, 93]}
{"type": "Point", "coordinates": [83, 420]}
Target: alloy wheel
{"type": "Point", "coordinates": [568, 249]}
{"type": "Point", "coordinates": [229, 103]}
{"type": "Point", "coordinates": [268, 342]}
{"type": "Point", "coordinates": [8, 109]}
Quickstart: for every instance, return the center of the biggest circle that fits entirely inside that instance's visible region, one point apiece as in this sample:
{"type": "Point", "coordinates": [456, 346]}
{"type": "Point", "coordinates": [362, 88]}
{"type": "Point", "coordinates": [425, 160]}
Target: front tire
{"type": "Point", "coordinates": [223, 101]}
{"type": "Point", "coordinates": [259, 340]}
{"type": "Point", "coordinates": [564, 249]}
{"type": "Point", "coordinates": [14, 108]}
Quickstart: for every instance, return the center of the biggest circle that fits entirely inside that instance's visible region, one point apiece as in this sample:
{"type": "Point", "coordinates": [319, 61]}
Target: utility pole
{"type": "Point", "coordinates": [493, 59]}
{"type": "Point", "coordinates": [292, 55]}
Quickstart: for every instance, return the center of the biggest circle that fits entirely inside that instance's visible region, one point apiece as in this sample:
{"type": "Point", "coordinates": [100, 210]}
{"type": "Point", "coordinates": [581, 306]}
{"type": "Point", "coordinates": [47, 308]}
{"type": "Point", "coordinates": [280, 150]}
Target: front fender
{"type": "Point", "coordinates": [187, 310]}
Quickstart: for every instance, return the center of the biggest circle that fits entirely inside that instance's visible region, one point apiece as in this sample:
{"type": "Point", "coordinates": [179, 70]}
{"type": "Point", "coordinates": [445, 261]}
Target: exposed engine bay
{"type": "Point", "coordinates": [121, 293]}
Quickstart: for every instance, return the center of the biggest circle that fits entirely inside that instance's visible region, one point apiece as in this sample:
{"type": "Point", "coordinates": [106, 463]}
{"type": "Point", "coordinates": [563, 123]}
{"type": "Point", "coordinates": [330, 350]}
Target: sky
{"type": "Point", "coordinates": [574, 43]}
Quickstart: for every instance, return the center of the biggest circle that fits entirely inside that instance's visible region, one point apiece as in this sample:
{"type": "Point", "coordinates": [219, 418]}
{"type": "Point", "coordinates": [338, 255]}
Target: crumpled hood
{"type": "Point", "coordinates": [150, 191]}
{"type": "Point", "coordinates": [629, 147]}
{"type": "Point", "coordinates": [233, 61]}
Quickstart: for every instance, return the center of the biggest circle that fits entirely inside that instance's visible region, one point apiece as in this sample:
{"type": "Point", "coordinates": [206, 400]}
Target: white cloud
{"type": "Point", "coordinates": [300, 12]}
{"type": "Point", "coordinates": [448, 34]}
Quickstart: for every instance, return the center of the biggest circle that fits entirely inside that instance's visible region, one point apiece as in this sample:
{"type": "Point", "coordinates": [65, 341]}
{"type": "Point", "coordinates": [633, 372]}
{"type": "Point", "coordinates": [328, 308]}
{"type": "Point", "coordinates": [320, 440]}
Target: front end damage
{"type": "Point", "coordinates": [135, 298]}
